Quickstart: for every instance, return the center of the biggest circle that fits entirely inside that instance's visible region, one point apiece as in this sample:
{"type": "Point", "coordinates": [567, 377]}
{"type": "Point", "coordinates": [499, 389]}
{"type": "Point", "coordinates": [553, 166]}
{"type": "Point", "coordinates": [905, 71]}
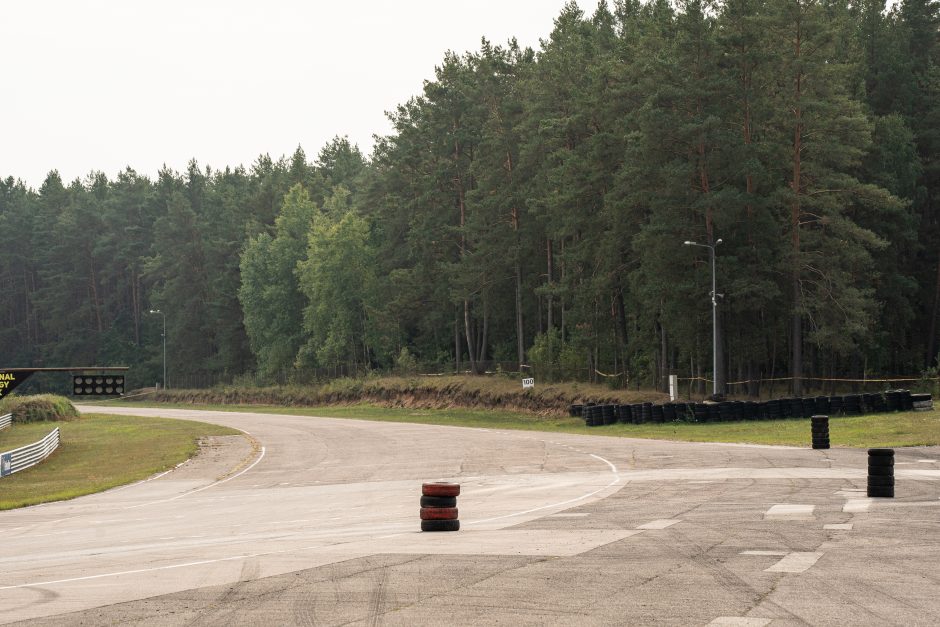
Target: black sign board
{"type": "Point", "coordinates": [9, 379]}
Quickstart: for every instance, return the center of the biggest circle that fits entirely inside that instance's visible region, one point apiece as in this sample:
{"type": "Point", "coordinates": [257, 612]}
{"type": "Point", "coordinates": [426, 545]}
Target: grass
{"type": "Point", "coordinates": [98, 452]}
{"type": "Point", "coordinates": [890, 430]}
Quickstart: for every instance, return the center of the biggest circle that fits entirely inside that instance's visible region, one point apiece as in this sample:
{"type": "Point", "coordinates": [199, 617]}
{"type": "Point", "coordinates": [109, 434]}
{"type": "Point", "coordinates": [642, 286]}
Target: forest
{"type": "Point", "coordinates": [528, 213]}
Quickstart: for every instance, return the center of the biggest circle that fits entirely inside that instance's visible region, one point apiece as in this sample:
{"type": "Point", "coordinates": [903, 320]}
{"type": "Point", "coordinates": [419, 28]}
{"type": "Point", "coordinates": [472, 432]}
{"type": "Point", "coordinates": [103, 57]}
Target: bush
{"type": "Point", "coordinates": [38, 408]}
{"type": "Point", "coordinates": [406, 364]}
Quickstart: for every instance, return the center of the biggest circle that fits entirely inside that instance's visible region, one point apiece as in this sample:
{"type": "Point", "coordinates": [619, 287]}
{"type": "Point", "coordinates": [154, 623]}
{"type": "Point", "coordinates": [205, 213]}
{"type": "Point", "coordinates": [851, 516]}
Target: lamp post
{"type": "Point", "coordinates": [157, 311]}
{"type": "Point", "coordinates": [714, 293]}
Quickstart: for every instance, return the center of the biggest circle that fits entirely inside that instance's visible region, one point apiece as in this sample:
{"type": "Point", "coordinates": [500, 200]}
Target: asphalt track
{"type": "Point", "coordinates": [314, 521]}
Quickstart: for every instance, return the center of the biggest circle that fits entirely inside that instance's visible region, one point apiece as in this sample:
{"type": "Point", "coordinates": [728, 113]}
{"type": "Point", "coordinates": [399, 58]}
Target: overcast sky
{"type": "Point", "coordinates": [103, 84]}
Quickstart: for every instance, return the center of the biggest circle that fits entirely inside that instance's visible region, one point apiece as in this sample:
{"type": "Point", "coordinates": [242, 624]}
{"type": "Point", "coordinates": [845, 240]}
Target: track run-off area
{"type": "Point", "coordinates": [315, 521]}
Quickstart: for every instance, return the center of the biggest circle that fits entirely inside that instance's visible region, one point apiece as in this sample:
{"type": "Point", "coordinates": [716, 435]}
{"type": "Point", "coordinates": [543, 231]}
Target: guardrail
{"type": "Point", "coordinates": [6, 421]}
{"type": "Point", "coordinates": [22, 458]}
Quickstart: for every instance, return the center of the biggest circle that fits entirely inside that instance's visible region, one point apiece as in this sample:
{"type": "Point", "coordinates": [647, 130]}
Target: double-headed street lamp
{"type": "Point", "coordinates": [714, 294]}
{"type": "Point", "coordinates": [157, 311]}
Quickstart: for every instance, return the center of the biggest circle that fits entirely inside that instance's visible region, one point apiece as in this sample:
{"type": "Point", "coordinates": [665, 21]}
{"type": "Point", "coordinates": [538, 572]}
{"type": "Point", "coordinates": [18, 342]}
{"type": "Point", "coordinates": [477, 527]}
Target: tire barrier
{"type": "Point", "coordinates": [439, 506]}
{"type": "Point", "coordinates": [881, 472]}
{"type": "Point", "coordinates": [775, 409]}
{"type": "Point", "coordinates": [820, 431]}
{"type": "Point", "coordinates": [921, 402]}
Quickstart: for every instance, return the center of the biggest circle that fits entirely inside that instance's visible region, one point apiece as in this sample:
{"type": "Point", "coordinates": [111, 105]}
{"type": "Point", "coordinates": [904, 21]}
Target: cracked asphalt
{"type": "Point", "coordinates": [319, 527]}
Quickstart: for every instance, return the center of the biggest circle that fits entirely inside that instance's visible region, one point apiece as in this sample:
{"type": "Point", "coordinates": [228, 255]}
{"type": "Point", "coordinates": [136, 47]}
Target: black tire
{"type": "Point", "coordinates": [821, 430]}
{"type": "Point", "coordinates": [817, 445]}
{"type": "Point", "coordinates": [881, 471]}
{"type": "Point", "coordinates": [438, 501]}
{"type": "Point", "coordinates": [881, 492]}
{"type": "Point", "coordinates": [881, 452]}
{"type": "Point", "coordinates": [880, 482]}
{"type": "Point", "coordinates": [440, 525]}
{"type": "Point", "coordinates": [880, 461]}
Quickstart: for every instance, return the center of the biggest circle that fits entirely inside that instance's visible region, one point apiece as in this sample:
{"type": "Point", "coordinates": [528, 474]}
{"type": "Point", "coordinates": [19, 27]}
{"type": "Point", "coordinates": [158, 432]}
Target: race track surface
{"type": "Point", "coordinates": [315, 521]}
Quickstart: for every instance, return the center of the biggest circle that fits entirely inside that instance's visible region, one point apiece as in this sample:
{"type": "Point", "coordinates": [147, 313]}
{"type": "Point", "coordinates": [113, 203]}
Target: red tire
{"type": "Point", "coordinates": [440, 488]}
{"type": "Point", "coordinates": [438, 513]}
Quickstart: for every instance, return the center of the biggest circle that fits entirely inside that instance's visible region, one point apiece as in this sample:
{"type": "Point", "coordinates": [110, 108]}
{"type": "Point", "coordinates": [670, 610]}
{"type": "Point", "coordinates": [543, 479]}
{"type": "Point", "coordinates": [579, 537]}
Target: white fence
{"type": "Point", "coordinates": [6, 421]}
{"type": "Point", "coordinates": [21, 458]}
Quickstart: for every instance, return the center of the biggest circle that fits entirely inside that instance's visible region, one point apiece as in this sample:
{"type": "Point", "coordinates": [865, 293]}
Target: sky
{"type": "Point", "coordinates": [99, 85]}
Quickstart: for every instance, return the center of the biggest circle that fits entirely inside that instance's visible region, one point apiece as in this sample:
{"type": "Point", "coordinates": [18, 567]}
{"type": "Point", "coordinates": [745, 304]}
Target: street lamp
{"type": "Point", "coordinates": [157, 311]}
{"type": "Point", "coordinates": [714, 293]}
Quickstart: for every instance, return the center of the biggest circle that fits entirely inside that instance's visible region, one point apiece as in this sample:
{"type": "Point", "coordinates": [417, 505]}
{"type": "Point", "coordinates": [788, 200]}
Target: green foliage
{"type": "Point", "coordinates": [405, 363]}
{"type": "Point", "coordinates": [535, 202]}
{"type": "Point", "coordinates": [38, 408]}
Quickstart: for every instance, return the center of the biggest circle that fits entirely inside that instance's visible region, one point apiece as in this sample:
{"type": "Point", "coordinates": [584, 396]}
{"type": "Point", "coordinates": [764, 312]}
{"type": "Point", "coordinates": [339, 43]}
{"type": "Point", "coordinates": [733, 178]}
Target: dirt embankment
{"type": "Point", "coordinates": [419, 393]}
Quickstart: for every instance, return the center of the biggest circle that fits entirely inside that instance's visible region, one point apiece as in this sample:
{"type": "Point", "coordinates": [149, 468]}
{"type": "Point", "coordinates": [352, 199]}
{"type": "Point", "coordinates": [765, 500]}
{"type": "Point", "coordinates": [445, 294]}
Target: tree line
{"type": "Point", "coordinates": [530, 207]}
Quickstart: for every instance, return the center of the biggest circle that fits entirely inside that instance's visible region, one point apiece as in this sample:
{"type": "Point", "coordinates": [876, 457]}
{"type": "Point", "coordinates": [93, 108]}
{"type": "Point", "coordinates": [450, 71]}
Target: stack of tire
{"type": "Point", "coordinates": [820, 425]}
{"type": "Point", "coordinates": [852, 405]}
{"type": "Point", "coordinates": [636, 413]}
{"type": "Point", "coordinates": [439, 506]}
{"type": "Point", "coordinates": [881, 472]}
{"type": "Point", "coordinates": [921, 402]}
{"type": "Point", "coordinates": [625, 415]}
{"type": "Point", "coordinates": [835, 405]}
{"type": "Point", "coordinates": [575, 410]}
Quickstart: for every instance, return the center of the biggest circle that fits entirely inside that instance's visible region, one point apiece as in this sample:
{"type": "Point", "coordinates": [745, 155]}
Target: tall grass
{"type": "Point", "coordinates": [38, 408]}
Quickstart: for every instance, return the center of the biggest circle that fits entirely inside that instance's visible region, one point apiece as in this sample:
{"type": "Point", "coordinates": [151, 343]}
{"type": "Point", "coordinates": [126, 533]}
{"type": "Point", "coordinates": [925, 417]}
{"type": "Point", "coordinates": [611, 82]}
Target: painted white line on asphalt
{"type": "Point", "coordinates": [613, 482]}
{"type": "Point", "coordinates": [927, 461]}
{"type": "Point", "coordinates": [770, 553]}
{"type": "Point", "coordinates": [211, 485]}
{"type": "Point", "coordinates": [739, 621]}
{"type": "Point", "coordinates": [146, 480]}
{"type": "Point", "coordinates": [566, 515]}
{"type": "Point", "coordinates": [854, 506]}
{"type": "Point", "coordinates": [790, 511]}
{"type": "Point", "coordinates": [137, 571]}
{"type": "Point", "coordinates": [794, 563]}
{"type": "Point", "coordinates": [660, 524]}
{"type": "Point", "coordinates": [839, 527]}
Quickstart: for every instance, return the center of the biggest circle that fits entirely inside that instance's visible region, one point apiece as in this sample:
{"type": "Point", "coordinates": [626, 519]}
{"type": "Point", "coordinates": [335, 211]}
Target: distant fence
{"type": "Point", "coordinates": [26, 456]}
{"type": "Point", "coordinates": [6, 421]}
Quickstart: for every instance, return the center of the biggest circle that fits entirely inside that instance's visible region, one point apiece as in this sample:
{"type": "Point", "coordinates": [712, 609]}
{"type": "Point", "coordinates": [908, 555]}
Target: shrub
{"type": "Point", "coordinates": [406, 363]}
{"type": "Point", "coordinates": [38, 408]}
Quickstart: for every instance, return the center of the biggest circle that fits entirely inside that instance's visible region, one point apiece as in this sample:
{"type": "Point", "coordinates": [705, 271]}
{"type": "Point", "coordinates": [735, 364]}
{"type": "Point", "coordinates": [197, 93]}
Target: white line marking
{"type": "Point", "coordinates": [839, 527]}
{"type": "Point", "coordinates": [927, 461]}
{"type": "Point", "coordinates": [794, 563]}
{"type": "Point", "coordinates": [739, 621]}
{"type": "Point", "coordinates": [854, 506]}
{"type": "Point", "coordinates": [139, 570]}
{"type": "Point", "coordinates": [660, 524]}
{"type": "Point", "coordinates": [211, 485]}
{"type": "Point", "coordinates": [770, 553]}
{"type": "Point", "coordinates": [124, 487]}
{"type": "Point", "coordinates": [614, 482]}
{"type": "Point", "coordinates": [791, 511]}
{"type": "Point", "coordinates": [561, 515]}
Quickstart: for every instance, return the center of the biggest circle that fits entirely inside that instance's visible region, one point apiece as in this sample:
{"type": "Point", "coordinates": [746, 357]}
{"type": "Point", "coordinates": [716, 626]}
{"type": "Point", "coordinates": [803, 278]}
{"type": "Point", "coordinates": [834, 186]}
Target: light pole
{"type": "Point", "coordinates": [157, 311]}
{"type": "Point", "coordinates": [714, 293]}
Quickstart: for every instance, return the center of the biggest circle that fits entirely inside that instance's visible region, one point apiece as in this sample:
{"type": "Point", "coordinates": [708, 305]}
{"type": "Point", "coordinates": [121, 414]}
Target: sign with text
{"type": "Point", "coordinates": [9, 379]}
{"type": "Point", "coordinates": [528, 383]}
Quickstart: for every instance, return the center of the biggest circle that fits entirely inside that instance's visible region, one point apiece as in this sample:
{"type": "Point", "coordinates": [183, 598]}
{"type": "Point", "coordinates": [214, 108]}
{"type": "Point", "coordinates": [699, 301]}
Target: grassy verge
{"type": "Point", "coordinates": [98, 452]}
{"type": "Point", "coordinates": [892, 430]}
